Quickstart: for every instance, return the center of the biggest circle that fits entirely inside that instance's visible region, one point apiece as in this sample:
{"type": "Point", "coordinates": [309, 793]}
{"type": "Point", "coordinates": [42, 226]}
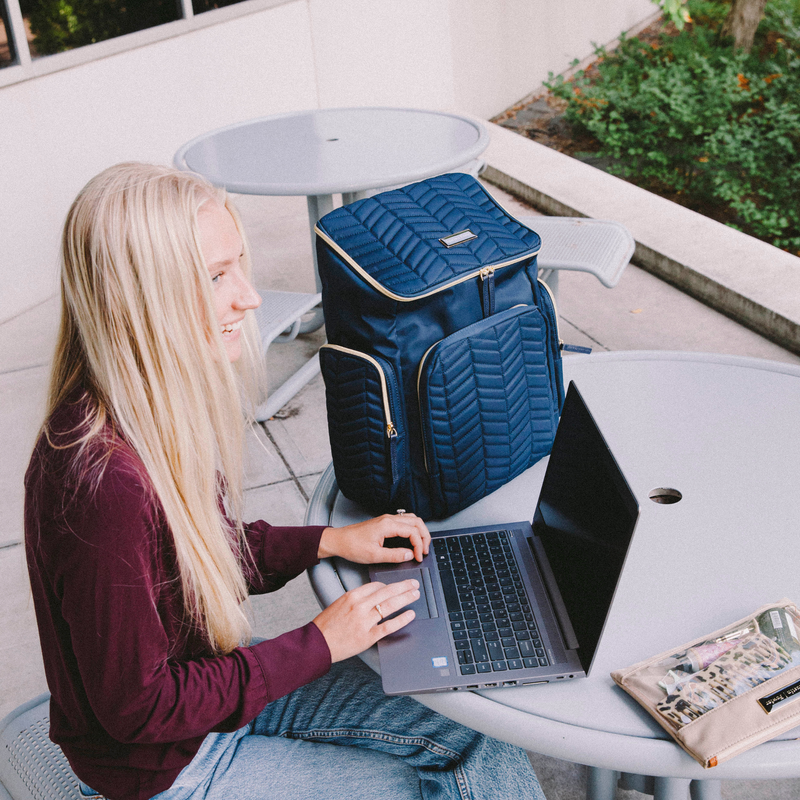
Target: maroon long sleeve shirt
{"type": "Point", "coordinates": [134, 688]}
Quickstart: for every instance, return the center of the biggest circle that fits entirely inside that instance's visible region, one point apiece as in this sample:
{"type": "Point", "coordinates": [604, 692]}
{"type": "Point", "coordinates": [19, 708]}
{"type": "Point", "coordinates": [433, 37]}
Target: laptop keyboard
{"type": "Point", "coordinates": [490, 617]}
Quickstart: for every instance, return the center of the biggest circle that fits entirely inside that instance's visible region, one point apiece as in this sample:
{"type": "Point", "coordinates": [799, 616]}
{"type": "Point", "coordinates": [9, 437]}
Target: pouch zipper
{"type": "Point", "coordinates": [478, 273]}
{"type": "Point", "coordinates": [390, 429]}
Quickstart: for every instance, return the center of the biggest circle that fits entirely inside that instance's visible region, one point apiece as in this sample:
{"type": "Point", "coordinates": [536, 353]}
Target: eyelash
{"type": "Point", "coordinates": [220, 274]}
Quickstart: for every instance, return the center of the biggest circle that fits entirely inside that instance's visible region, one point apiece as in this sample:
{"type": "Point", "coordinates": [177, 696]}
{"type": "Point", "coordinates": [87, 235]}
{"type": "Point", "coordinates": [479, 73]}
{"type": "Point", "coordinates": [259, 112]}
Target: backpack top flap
{"type": "Point", "coordinates": [415, 241]}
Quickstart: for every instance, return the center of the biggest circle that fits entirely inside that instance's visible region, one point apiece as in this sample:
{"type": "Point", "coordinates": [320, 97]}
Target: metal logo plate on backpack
{"type": "Point", "coordinates": [458, 238]}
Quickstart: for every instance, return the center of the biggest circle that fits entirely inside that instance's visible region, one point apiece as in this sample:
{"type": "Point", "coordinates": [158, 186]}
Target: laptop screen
{"type": "Point", "coordinates": [585, 520]}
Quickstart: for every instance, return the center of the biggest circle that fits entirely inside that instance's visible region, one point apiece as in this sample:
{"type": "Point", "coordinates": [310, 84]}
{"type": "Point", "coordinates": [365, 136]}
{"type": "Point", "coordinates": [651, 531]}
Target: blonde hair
{"type": "Point", "coordinates": [139, 333]}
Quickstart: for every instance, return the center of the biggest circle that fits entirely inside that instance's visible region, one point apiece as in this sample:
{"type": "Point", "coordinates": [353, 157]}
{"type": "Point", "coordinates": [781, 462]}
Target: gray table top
{"type": "Point", "coordinates": [721, 430]}
{"type": "Point", "coordinates": [328, 151]}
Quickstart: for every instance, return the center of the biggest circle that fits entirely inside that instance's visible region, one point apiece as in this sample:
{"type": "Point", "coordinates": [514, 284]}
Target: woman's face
{"type": "Point", "coordinates": [233, 293]}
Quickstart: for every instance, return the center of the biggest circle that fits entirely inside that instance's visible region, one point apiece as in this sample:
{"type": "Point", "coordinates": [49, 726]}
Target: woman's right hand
{"type": "Point", "coordinates": [350, 623]}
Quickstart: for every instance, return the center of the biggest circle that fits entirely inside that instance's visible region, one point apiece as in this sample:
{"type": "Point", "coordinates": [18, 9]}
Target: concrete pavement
{"type": "Point", "coordinates": [286, 455]}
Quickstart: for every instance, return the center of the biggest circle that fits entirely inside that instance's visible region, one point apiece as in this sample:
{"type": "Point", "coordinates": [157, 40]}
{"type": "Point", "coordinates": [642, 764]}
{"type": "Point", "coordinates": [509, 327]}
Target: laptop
{"type": "Point", "coordinates": [525, 603]}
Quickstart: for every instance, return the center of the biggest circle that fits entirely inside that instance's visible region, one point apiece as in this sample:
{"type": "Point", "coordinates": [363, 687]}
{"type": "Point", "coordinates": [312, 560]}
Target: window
{"type": "Point", "coordinates": [31, 29]}
{"type": "Point", "coordinates": [200, 6]}
{"type": "Point", "coordinates": [7, 54]}
{"type": "Point", "coordinates": [59, 25]}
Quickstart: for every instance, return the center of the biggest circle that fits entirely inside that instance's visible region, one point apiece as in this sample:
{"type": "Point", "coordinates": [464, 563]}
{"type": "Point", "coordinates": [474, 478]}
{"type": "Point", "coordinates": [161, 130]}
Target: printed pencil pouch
{"type": "Point", "coordinates": [726, 692]}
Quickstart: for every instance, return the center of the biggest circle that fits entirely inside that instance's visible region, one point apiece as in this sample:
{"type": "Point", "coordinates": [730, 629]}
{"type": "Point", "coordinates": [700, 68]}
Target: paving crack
{"type": "Point", "coordinates": [289, 469]}
{"type": "Point", "coordinates": [586, 334]}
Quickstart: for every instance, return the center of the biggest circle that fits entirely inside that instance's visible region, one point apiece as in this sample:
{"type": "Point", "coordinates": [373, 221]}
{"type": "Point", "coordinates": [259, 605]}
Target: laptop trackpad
{"type": "Point", "coordinates": [425, 605]}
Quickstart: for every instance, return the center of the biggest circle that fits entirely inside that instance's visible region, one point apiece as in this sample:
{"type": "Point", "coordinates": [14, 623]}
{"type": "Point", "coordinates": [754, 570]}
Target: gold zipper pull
{"type": "Point", "coordinates": [486, 272]}
{"type": "Point", "coordinates": [391, 431]}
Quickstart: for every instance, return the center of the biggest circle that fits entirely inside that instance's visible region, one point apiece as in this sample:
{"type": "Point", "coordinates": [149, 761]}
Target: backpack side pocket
{"type": "Point", "coordinates": [487, 405]}
{"type": "Point", "coordinates": [365, 427]}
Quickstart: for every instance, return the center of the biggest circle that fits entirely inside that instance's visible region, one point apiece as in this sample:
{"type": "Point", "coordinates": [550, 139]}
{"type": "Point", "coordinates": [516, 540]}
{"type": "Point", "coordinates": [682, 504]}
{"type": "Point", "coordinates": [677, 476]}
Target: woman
{"type": "Point", "coordinates": [140, 562]}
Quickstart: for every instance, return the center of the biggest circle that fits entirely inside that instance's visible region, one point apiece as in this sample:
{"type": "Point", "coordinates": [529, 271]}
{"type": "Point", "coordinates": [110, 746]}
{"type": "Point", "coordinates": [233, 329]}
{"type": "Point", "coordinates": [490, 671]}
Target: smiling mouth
{"type": "Point", "coordinates": [231, 327]}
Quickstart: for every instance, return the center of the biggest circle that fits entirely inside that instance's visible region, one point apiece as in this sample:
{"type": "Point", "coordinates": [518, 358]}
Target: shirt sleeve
{"type": "Point", "coordinates": [107, 569]}
{"type": "Point", "coordinates": [279, 554]}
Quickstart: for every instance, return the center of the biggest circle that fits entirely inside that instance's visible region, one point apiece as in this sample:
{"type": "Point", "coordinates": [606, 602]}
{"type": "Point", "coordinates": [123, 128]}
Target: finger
{"type": "Point", "coordinates": [394, 624]}
{"type": "Point", "coordinates": [393, 555]}
{"type": "Point", "coordinates": [377, 592]}
{"type": "Point", "coordinates": [389, 600]}
{"type": "Point", "coordinates": [386, 608]}
{"type": "Point", "coordinates": [415, 530]}
{"type": "Point", "coordinates": [365, 591]}
{"type": "Point", "coordinates": [421, 535]}
{"type": "Point", "coordinates": [426, 537]}
{"type": "Point", "coordinates": [388, 592]}
{"type": "Point", "coordinates": [419, 540]}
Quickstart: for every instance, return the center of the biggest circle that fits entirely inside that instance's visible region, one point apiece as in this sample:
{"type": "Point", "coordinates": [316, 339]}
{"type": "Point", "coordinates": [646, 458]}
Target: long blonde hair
{"type": "Point", "coordinates": [139, 333]}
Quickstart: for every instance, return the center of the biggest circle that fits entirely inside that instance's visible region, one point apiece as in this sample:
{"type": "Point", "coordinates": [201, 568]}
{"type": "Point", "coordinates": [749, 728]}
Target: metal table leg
{"type": "Point", "coordinates": [671, 789]}
{"type": "Point", "coordinates": [638, 783]}
{"type": "Point", "coordinates": [601, 784]}
{"type": "Point", "coordinates": [286, 391]}
{"type": "Point", "coordinates": [318, 206]}
{"type": "Point", "coordinates": [706, 790]}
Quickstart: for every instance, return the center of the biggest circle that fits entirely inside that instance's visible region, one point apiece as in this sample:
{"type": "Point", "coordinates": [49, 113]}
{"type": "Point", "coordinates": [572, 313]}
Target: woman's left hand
{"type": "Point", "coordinates": [363, 542]}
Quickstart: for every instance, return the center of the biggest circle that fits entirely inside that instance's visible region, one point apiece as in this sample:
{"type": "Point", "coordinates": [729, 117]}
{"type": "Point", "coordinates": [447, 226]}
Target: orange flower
{"type": "Point", "coordinates": [744, 83]}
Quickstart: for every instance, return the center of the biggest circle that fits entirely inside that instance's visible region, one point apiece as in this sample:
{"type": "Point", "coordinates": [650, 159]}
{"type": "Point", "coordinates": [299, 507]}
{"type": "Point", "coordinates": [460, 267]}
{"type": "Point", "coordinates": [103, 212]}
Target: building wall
{"type": "Point", "coordinates": [504, 49]}
{"type": "Point", "coordinates": [59, 129]}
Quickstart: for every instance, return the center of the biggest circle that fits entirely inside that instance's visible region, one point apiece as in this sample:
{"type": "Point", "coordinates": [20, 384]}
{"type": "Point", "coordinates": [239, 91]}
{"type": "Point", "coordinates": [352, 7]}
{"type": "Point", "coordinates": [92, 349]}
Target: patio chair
{"type": "Point", "coordinates": [279, 319]}
{"type": "Point", "coordinates": [601, 247]}
{"type": "Point", "coordinates": [31, 766]}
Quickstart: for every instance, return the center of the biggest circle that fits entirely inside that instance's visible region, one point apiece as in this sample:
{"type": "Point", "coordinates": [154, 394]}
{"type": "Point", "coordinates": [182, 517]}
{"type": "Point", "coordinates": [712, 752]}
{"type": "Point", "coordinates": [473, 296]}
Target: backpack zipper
{"type": "Point", "coordinates": [419, 406]}
{"type": "Point", "coordinates": [555, 310]}
{"type": "Point", "coordinates": [487, 291]}
{"type": "Point", "coordinates": [390, 429]}
{"type": "Point", "coordinates": [478, 273]}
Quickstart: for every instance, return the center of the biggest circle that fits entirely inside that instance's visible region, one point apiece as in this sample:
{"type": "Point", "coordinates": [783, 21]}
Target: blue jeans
{"type": "Point", "coordinates": [397, 749]}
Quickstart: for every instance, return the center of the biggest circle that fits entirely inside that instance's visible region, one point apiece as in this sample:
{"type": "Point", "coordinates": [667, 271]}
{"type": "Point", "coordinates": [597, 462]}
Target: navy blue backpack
{"type": "Point", "coordinates": [443, 366]}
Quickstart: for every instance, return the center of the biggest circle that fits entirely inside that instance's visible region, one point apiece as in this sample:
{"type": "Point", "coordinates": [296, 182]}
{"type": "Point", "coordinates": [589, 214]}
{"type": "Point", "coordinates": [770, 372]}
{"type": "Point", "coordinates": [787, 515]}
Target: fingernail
{"type": "Point", "coordinates": [416, 583]}
{"type": "Point", "coordinates": [408, 555]}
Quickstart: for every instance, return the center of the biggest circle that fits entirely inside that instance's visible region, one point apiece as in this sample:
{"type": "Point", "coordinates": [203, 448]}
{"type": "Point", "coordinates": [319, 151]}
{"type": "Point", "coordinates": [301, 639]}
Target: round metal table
{"type": "Point", "coordinates": [723, 432]}
{"type": "Point", "coordinates": [323, 152]}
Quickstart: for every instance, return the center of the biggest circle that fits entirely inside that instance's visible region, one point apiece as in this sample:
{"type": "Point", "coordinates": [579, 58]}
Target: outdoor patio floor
{"type": "Point", "coordinates": [287, 454]}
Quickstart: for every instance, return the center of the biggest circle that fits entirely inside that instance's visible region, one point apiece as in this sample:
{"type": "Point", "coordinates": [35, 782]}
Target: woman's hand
{"type": "Point", "coordinates": [350, 624]}
{"type": "Point", "coordinates": [363, 543]}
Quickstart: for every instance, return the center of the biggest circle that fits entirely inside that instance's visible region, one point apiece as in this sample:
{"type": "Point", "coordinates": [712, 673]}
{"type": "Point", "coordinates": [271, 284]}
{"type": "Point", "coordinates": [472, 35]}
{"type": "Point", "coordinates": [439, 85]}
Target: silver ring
{"type": "Point", "coordinates": [400, 512]}
{"type": "Point", "coordinates": [378, 609]}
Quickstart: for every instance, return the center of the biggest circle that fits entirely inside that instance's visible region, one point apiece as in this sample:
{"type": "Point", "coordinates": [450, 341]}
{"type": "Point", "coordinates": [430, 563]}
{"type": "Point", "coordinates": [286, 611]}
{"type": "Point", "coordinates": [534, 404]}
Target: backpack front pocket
{"type": "Point", "coordinates": [487, 406]}
{"type": "Point", "coordinates": [364, 423]}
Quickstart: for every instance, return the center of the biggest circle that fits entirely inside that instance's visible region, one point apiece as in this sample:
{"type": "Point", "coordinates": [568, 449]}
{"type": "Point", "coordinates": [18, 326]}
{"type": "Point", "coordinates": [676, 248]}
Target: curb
{"type": "Point", "coordinates": [752, 282]}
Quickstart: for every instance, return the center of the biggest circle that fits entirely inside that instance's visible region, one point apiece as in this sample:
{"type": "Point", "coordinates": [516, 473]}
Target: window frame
{"type": "Point", "coordinates": [26, 68]}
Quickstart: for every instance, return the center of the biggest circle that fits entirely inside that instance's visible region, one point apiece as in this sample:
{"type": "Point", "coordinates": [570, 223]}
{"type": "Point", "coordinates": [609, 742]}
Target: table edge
{"type": "Point", "coordinates": [179, 160]}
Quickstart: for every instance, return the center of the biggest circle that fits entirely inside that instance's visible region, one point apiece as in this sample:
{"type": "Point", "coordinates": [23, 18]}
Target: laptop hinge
{"type": "Point", "coordinates": [567, 632]}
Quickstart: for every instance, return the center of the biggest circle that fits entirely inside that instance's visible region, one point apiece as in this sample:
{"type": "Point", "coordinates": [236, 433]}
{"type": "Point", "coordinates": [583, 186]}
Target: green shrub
{"type": "Point", "coordinates": [690, 117]}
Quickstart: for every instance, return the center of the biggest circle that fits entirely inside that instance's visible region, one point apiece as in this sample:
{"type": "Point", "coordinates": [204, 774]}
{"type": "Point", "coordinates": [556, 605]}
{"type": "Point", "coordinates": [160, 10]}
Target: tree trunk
{"type": "Point", "coordinates": [742, 22]}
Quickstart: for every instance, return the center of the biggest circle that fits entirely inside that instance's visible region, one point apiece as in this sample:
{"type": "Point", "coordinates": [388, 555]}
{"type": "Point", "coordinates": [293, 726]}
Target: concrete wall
{"type": "Point", "coordinates": [59, 129]}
